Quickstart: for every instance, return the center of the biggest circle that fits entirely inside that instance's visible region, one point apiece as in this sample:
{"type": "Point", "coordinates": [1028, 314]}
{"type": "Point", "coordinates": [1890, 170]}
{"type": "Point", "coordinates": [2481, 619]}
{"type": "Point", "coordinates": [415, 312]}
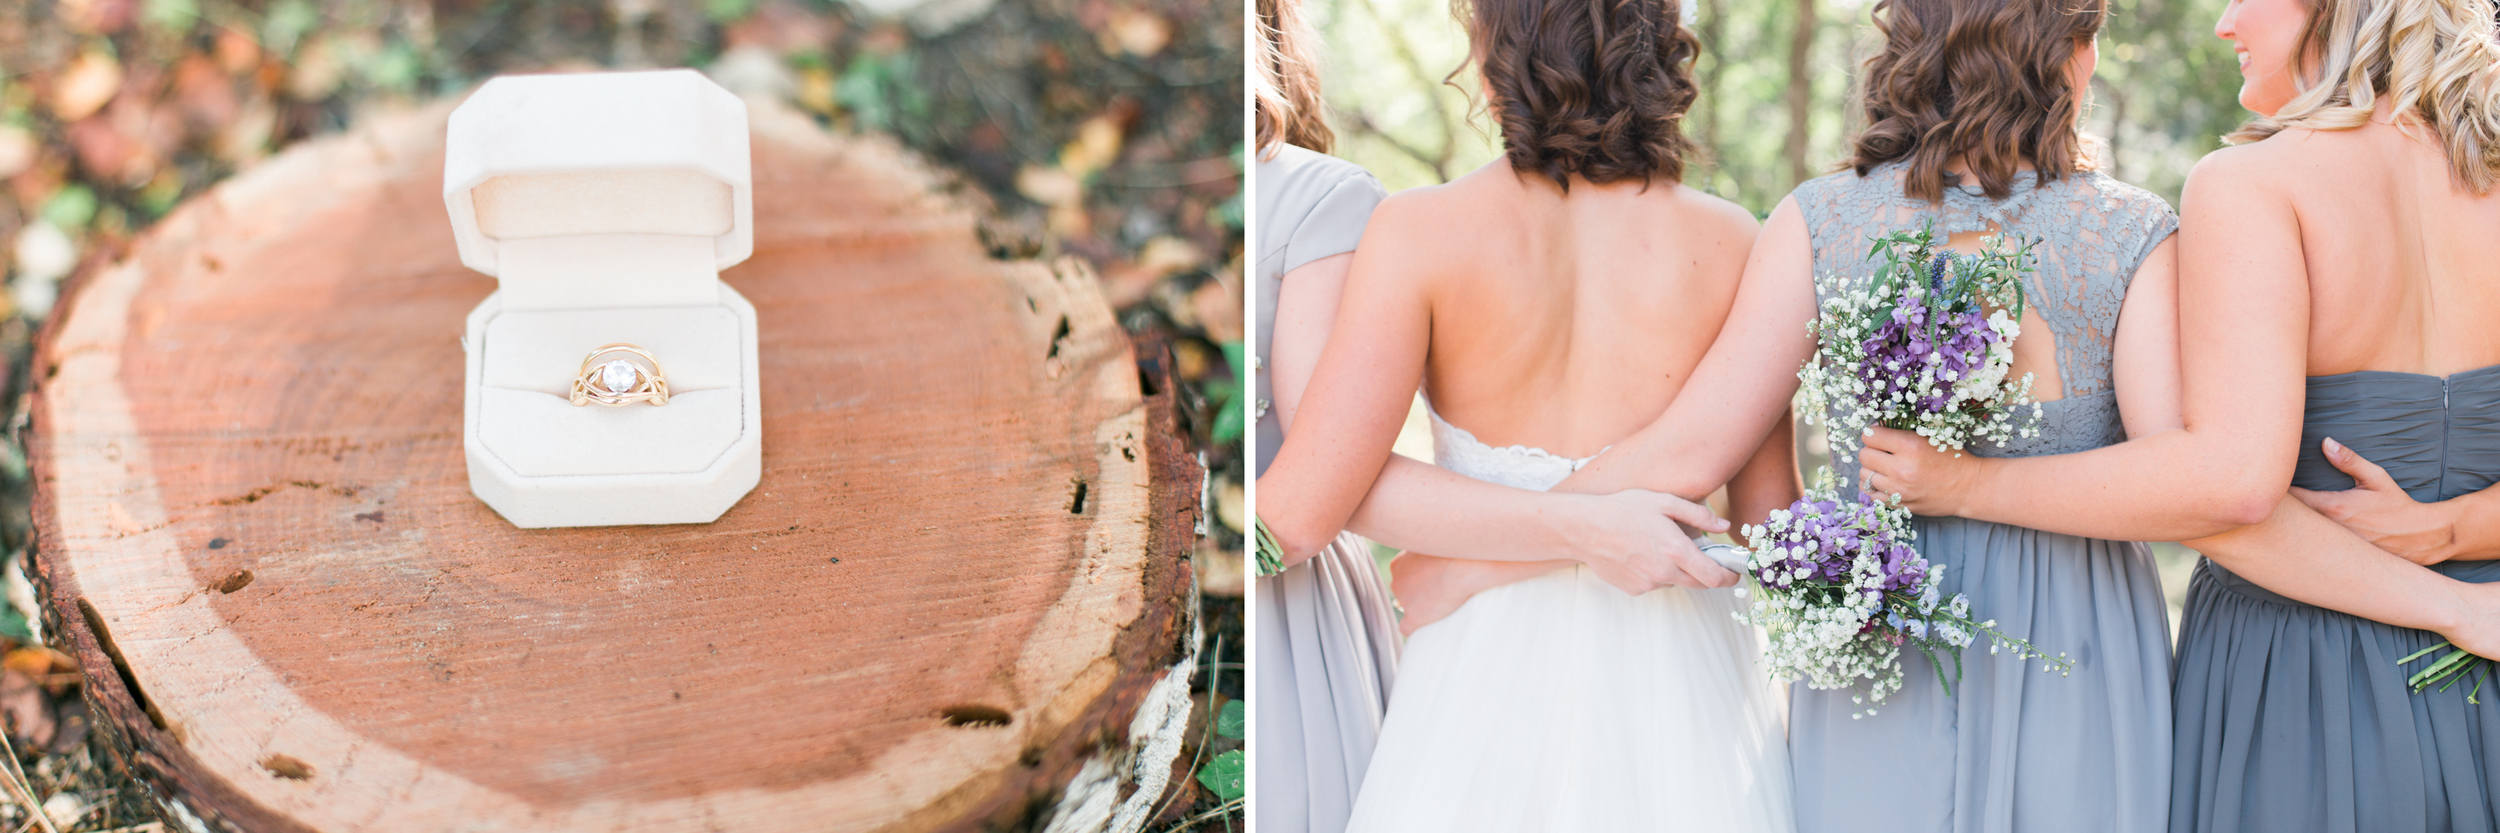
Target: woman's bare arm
{"type": "Point", "coordinates": [1417, 505]}
{"type": "Point", "coordinates": [2305, 556]}
{"type": "Point", "coordinates": [1769, 480]}
{"type": "Point", "coordinates": [2244, 308]}
{"type": "Point", "coordinates": [1430, 588]}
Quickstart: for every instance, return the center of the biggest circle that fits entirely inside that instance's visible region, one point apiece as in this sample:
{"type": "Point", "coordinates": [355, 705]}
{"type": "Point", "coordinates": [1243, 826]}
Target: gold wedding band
{"type": "Point", "coordinates": [628, 374]}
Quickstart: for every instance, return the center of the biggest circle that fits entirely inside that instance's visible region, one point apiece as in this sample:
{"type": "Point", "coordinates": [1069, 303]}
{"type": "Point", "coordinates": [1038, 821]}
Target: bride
{"type": "Point", "coordinates": [1551, 303]}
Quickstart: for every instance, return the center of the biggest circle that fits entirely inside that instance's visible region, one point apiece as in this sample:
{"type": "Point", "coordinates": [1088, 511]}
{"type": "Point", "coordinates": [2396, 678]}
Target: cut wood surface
{"type": "Point", "coordinates": [949, 598]}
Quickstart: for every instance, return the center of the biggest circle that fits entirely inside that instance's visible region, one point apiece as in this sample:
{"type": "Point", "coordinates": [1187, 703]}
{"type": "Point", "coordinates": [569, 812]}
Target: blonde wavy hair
{"type": "Point", "coordinates": [1284, 91]}
{"type": "Point", "coordinates": [2435, 59]}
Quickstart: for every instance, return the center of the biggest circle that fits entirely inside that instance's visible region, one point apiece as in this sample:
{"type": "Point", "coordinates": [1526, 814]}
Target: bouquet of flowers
{"type": "Point", "coordinates": [1840, 590]}
{"type": "Point", "coordinates": [1923, 345]}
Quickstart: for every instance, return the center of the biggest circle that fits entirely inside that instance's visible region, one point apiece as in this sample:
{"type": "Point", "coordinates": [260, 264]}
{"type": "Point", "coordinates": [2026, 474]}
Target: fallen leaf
{"type": "Point", "coordinates": [206, 93]}
{"type": "Point", "coordinates": [1218, 308]}
{"type": "Point", "coordinates": [317, 71]}
{"type": "Point", "coordinates": [29, 714]}
{"type": "Point", "coordinates": [246, 139]}
{"type": "Point", "coordinates": [1135, 31]}
{"type": "Point", "coordinates": [66, 809]}
{"type": "Point", "coordinates": [1097, 143]}
{"type": "Point", "coordinates": [110, 153]}
{"type": "Point", "coordinates": [91, 80]}
{"type": "Point", "coordinates": [17, 150]}
{"type": "Point", "coordinates": [1221, 572]}
{"type": "Point", "coordinates": [1049, 186]}
{"type": "Point", "coordinates": [237, 52]}
{"type": "Point", "coordinates": [98, 17]}
{"type": "Point", "coordinates": [1231, 505]}
{"type": "Point", "coordinates": [38, 661]}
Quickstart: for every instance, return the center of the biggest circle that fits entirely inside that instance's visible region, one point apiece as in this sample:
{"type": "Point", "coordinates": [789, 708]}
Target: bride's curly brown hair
{"type": "Point", "coordinates": [1596, 88]}
{"type": "Point", "coordinates": [1982, 79]}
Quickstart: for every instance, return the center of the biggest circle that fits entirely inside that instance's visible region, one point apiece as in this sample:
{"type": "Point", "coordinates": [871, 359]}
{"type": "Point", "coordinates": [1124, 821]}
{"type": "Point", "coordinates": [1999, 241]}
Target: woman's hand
{"type": "Point", "coordinates": [1635, 540]}
{"type": "Point", "coordinates": [2478, 632]}
{"type": "Point", "coordinates": [2380, 511]}
{"type": "Point", "coordinates": [1930, 482]}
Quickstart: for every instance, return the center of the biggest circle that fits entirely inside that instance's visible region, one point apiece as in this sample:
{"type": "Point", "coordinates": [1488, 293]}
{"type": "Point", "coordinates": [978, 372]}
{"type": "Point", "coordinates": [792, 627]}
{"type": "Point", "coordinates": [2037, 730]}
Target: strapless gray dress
{"type": "Point", "coordinates": [2012, 749]}
{"type": "Point", "coordinates": [2296, 718]}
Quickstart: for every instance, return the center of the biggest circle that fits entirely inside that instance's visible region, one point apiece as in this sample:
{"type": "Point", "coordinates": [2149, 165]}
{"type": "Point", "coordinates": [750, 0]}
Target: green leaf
{"type": "Point", "coordinates": [1230, 423]}
{"type": "Point", "coordinates": [13, 625]}
{"type": "Point", "coordinates": [1224, 776]}
{"type": "Point", "coordinates": [1232, 722]}
{"type": "Point", "coordinates": [396, 68]}
{"type": "Point", "coordinates": [727, 11]}
{"type": "Point", "coordinates": [286, 23]}
{"type": "Point", "coordinates": [70, 208]}
{"type": "Point", "coordinates": [172, 16]}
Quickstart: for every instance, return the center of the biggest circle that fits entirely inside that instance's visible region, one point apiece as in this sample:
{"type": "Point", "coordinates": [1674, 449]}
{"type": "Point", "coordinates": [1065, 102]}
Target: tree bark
{"type": "Point", "coordinates": [959, 587]}
{"type": "Point", "coordinates": [1800, 93]}
{"type": "Point", "coordinates": [1713, 20]}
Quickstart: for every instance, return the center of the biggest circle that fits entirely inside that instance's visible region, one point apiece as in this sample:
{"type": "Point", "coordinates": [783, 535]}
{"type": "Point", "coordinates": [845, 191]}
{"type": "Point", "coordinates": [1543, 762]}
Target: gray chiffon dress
{"type": "Point", "coordinates": [1326, 641]}
{"type": "Point", "coordinates": [2296, 718]}
{"type": "Point", "coordinates": [2012, 748]}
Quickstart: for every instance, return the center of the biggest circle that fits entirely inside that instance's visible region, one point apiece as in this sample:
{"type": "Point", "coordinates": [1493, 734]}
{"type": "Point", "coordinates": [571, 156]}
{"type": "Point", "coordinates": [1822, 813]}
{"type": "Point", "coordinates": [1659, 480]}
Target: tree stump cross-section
{"type": "Point", "coordinates": [953, 593]}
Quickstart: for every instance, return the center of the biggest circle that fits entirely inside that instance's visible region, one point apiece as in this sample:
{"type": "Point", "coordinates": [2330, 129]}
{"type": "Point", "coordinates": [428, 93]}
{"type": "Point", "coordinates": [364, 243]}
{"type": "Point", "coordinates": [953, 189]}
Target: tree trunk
{"type": "Point", "coordinates": [1713, 20]}
{"type": "Point", "coordinates": [1800, 93]}
{"type": "Point", "coordinates": [959, 588]}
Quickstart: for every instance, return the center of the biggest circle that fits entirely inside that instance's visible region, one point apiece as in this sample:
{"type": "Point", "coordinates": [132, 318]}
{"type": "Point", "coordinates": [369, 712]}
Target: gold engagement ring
{"type": "Point", "coordinates": [620, 374]}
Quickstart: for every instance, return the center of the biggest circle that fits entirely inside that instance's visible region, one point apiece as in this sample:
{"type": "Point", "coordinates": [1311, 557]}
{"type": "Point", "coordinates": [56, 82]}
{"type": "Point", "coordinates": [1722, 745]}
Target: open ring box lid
{"type": "Point", "coordinates": [606, 204]}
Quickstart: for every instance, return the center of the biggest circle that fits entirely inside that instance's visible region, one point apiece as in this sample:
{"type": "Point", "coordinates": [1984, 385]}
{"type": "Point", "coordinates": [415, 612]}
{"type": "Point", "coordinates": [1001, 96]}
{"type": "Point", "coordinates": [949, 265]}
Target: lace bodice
{"type": "Point", "coordinates": [2094, 232]}
{"type": "Point", "coordinates": [1517, 466]}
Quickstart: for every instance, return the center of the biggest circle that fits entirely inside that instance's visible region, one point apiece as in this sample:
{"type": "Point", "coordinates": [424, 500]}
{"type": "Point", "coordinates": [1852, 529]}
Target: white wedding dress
{"type": "Point", "coordinates": [1561, 704]}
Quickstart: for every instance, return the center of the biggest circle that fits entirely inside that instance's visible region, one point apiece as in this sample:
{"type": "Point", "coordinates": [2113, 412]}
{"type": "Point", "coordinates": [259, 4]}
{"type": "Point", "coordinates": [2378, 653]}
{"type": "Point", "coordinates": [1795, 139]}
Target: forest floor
{"type": "Point", "coordinates": [1108, 130]}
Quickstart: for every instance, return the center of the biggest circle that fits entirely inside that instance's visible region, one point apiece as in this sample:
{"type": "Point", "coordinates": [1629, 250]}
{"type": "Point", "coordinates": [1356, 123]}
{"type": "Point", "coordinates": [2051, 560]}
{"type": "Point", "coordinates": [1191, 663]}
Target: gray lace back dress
{"type": "Point", "coordinates": [1327, 643]}
{"type": "Point", "coordinates": [2012, 748]}
{"type": "Point", "coordinates": [2296, 718]}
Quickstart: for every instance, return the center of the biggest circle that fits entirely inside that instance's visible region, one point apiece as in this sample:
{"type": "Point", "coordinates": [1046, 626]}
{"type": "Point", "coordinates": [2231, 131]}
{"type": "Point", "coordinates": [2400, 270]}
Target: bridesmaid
{"type": "Point", "coordinates": [1325, 652]}
{"type": "Point", "coordinates": [2010, 749]}
{"type": "Point", "coordinates": [2338, 277]}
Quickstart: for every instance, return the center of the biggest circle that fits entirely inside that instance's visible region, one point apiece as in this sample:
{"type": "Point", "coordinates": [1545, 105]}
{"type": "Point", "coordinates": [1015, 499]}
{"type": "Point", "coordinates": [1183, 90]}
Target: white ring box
{"type": "Point", "coordinates": [605, 205]}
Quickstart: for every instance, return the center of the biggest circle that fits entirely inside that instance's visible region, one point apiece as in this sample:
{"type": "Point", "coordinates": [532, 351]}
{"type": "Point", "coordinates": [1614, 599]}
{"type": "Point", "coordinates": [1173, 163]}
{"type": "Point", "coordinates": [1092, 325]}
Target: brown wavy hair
{"type": "Point", "coordinates": [1981, 79]}
{"type": "Point", "coordinates": [1284, 93]}
{"type": "Point", "coordinates": [1596, 88]}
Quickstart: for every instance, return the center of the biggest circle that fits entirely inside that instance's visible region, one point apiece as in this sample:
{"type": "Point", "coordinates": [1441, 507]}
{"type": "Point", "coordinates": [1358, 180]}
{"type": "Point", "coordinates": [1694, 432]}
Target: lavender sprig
{"type": "Point", "coordinates": [1924, 344]}
{"type": "Point", "coordinates": [1840, 589]}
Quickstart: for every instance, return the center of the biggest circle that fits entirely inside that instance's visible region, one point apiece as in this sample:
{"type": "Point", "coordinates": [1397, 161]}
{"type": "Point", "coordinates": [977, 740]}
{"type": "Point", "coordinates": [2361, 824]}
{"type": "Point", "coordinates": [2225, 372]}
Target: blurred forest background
{"type": "Point", "coordinates": [1109, 130]}
{"type": "Point", "coordinates": [1777, 106]}
{"type": "Point", "coordinates": [1777, 81]}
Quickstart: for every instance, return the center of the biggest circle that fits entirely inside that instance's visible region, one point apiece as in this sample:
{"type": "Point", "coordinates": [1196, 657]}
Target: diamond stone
{"type": "Point", "coordinates": [619, 376]}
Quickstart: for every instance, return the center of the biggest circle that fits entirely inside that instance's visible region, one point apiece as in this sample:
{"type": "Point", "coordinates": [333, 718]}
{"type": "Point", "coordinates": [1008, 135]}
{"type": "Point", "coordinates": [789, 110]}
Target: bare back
{"type": "Point", "coordinates": [2403, 264]}
{"type": "Point", "coordinates": [1568, 321]}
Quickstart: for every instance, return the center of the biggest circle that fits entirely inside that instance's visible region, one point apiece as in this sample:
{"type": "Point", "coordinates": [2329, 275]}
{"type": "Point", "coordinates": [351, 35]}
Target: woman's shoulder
{"type": "Point", "coordinates": [1311, 205]}
{"type": "Point", "coordinates": [1295, 180]}
{"type": "Point", "coordinates": [1293, 164]}
{"type": "Point", "coordinates": [2244, 169]}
